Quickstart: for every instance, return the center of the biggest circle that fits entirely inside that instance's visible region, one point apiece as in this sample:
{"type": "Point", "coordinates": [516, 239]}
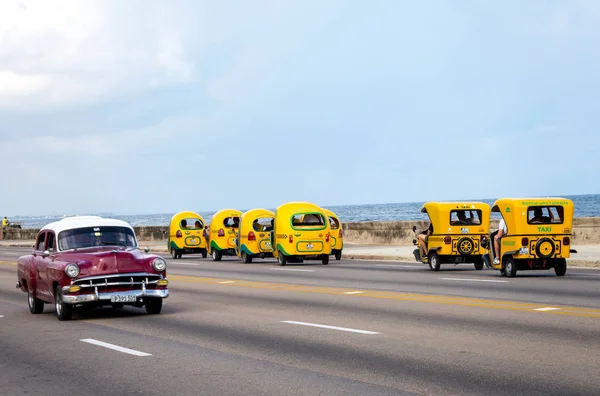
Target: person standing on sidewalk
{"type": "Point", "coordinates": [4, 225]}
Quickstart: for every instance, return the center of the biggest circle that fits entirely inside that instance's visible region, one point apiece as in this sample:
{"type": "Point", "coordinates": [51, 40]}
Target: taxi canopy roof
{"type": "Point", "coordinates": [291, 208]}
{"type": "Point", "coordinates": [218, 218]}
{"type": "Point", "coordinates": [439, 214]}
{"type": "Point", "coordinates": [186, 215]}
{"type": "Point", "coordinates": [258, 213]}
{"type": "Point", "coordinates": [221, 214]}
{"type": "Point", "coordinates": [515, 212]}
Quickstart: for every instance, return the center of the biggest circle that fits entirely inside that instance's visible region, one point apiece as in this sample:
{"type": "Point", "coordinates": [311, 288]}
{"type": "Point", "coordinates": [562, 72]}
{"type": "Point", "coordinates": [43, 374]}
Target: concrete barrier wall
{"type": "Point", "coordinates": [586, 231]}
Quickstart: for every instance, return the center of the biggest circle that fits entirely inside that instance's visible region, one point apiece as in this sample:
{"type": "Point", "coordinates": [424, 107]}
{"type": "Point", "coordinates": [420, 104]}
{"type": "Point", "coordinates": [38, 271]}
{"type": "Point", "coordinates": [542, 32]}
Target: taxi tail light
{"type": "Point", "coordinates": [524, 241]}
{"type": "Point", "coordinates": [221, 232]}
{"type": "Point", "coordinates": [341, 233]}
{"type": "Point", "coordinates": [291, 239]}
{"type": "Point", "coordinates": [566, 241]}
{"type": "Point", "coordinates": [178, 234]}
{"type": "Point", "coordinates": [447, 240]}
{"type": "Point", "coordinates": [327, 237]}
{"type": "Point", "coordinates": [251, 236]}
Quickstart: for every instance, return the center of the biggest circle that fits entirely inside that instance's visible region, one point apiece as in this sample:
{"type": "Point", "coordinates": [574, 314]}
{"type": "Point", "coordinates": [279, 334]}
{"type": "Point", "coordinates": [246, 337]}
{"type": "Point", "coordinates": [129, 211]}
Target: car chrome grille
{"type": "Point", "coordinates": [133, 280]}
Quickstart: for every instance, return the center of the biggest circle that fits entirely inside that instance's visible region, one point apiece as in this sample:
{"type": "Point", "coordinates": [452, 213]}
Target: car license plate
{"type": "Point", "coordinates": [123, 298]}
{"type": "Point", "coordinates": [193, 241]}
{"type": "Point", "coordinates": [268, 244]}
{"type": "Point", "coordinates": [309, 246]}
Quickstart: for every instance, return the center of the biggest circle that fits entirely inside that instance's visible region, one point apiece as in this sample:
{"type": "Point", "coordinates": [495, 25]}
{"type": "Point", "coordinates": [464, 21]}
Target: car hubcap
{"type": "Point", "coordinates": [30, 300]}
{"type": "Point", "coordinates": [58, 305]}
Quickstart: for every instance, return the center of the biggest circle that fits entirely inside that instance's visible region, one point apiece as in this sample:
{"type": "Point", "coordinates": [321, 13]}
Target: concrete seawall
{"type": "Point", "coordinates": [586, 231]}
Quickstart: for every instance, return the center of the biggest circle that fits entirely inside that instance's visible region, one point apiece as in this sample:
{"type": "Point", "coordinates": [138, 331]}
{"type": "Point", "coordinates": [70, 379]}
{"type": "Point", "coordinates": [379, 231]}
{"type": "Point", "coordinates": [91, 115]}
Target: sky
{"type": "Point", "coordinates": [135, 107]}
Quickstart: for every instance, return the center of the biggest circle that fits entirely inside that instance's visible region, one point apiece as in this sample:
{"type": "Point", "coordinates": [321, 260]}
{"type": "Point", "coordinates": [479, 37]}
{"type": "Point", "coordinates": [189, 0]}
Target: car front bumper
{"type": "Point", "coordinates": [97, 296]}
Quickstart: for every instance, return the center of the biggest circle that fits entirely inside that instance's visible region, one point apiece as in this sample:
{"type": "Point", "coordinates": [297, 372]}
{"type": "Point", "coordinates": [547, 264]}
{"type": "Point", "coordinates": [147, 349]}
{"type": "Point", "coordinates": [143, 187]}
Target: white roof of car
{"type": "Point", "coordinates": [69, 223]}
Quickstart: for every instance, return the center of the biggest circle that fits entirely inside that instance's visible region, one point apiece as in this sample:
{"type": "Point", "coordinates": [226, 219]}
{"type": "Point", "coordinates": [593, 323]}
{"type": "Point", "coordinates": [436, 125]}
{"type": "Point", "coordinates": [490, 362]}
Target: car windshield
{"type": "Point", "coordinates": [79, 238]}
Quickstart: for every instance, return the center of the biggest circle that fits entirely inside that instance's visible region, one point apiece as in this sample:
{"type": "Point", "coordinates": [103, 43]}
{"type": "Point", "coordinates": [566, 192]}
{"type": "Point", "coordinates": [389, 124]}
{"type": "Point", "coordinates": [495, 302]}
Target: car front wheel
{"type": "Point", "coordinates": [154, 305]}
{"type": "Point", "coordinates": [63, 311]}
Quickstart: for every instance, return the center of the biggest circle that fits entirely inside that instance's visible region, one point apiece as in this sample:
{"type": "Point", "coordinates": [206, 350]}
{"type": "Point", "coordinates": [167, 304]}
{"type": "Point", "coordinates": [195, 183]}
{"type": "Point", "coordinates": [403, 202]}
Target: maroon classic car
{"type": "Point", "coordinates": [90, 261]}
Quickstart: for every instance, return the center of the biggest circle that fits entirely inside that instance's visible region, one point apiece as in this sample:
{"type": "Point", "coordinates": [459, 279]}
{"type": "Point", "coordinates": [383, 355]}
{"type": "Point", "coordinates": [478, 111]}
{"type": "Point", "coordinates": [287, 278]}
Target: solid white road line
{"type": "Point", "coordinates": [292, 269]}
{"type": "Point", "coordinates": [1, 316]}
{"type": "Point", "coordinates": [398, 266]}
{"type": "Point", "coordinates": [115, 347]}
{"type": "Point", "coordinates": [330, 327]}
{"type": "Point", "coordinates": [226, 282]}
{"type": "Point", "coordinates": [546, 309]}
{"type": "Point", "coordinates": [354, 292]}
{"type": "Point", "coordinates": [476, 280]}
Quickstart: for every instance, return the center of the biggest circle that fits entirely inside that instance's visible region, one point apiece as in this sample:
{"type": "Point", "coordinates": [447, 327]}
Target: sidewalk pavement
{"type": "Point", "coordinates": [586, 256]}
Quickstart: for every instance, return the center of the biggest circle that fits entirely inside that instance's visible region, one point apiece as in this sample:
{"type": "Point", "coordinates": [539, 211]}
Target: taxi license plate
{"type": "Point", "coordinates": [309, 246]}
{"type": "Point", "coordinates": [268, 244]}
{"type": "Point", "coordinates": [123, 298]}
{"type": "Point", "coordinates": [193, 241]}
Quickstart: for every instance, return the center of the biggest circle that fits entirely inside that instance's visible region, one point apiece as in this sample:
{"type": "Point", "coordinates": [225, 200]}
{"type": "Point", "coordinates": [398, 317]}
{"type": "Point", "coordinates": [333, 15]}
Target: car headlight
{"type": "Point", "coordinates": [72, 270]}
{"type": "Point", "coordinates": [159, 264]}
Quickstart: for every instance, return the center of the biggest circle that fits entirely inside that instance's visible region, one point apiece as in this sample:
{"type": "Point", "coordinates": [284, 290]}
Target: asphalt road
{"type": "Point", "coordinates": [349, 328]}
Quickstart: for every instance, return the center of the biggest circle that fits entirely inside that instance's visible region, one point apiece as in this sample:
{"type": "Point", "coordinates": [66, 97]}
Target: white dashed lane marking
{"type": "Point", "coordinates": [115, 347]}
{"type": "Point", "coordinates": [330, 327]}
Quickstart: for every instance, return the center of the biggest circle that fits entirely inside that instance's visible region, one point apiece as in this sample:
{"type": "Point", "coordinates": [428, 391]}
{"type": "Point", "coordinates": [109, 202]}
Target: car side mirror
{"type": "Point", "coordinates": [146, 250]}
{"type": "Point", "coordinates": [414, 228]}
{"type": "Point", "coordinates": [46, 253]}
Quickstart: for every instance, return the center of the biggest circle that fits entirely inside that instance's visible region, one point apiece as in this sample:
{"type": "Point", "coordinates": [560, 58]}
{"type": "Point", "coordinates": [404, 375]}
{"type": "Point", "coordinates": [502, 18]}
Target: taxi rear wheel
{"type": "Point", "coordinates": [204, 254]}
{"type": "Point", "coordinates": [325, 259]}
{"type": "Point", "coordinates": [246, 258]}
{"type": "Point", "coordinates": [216, 255]}
{"type": "Point", "coordinates": [281, 259]}
{"type": "Point", "coordinates": [434, 261]}
{"type": "Point", "coordinates": [174, 253]}
{"type": "Point", "coordinates": [510, 267]}
{"type": "Point", "coordinates": [338, 255]}
{"type": "Point", "coordinates": [560, 267]}
{"type": "Point", "coordinates": [478, 264]}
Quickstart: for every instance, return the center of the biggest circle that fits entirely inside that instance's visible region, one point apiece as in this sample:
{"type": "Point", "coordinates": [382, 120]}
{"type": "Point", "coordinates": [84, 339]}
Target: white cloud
{"type": "Point", "coordinates": [67, 51]}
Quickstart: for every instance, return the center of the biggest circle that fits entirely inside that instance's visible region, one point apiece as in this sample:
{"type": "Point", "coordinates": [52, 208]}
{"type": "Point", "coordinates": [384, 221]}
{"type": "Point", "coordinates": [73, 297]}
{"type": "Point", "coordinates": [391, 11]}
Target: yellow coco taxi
{"type": "Point", "coordinates": [459, 231]}
{"type": "Point", "coordinates": [537, 235]}
{"type": "Point", "coordinates": [336, 236]}
{"type": "Point", "coordinates": [301, 233]}
{"type": "Point", "coordinates": [254, 237]}
{"type": "Point", "coordinates": [186, 235]}
{"type": "Point", "coordinates": [223, 233]}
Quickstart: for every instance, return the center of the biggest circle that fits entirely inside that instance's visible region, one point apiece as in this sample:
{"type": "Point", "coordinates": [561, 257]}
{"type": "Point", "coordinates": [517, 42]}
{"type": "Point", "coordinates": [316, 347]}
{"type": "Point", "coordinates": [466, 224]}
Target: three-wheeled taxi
{"type": "Point", "coordinates": [459, 231]}
{"type": "Point", "coordinates": [301, 233]}
{"type": "Point", "coordinates": [538, 235]}
{"type": "Point", "coordinates": [337, 234]}
{"type": "Point", "coordinates": [224, 226]}
{"type": "Point", "coordinates": [254, 236]}
{"type": "Point", "coordinates": [186, 235]}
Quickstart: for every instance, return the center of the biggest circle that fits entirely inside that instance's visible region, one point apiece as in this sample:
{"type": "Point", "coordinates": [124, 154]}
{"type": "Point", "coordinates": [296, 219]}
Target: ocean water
{"type": "Point", "coordinates": [585, 206]}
